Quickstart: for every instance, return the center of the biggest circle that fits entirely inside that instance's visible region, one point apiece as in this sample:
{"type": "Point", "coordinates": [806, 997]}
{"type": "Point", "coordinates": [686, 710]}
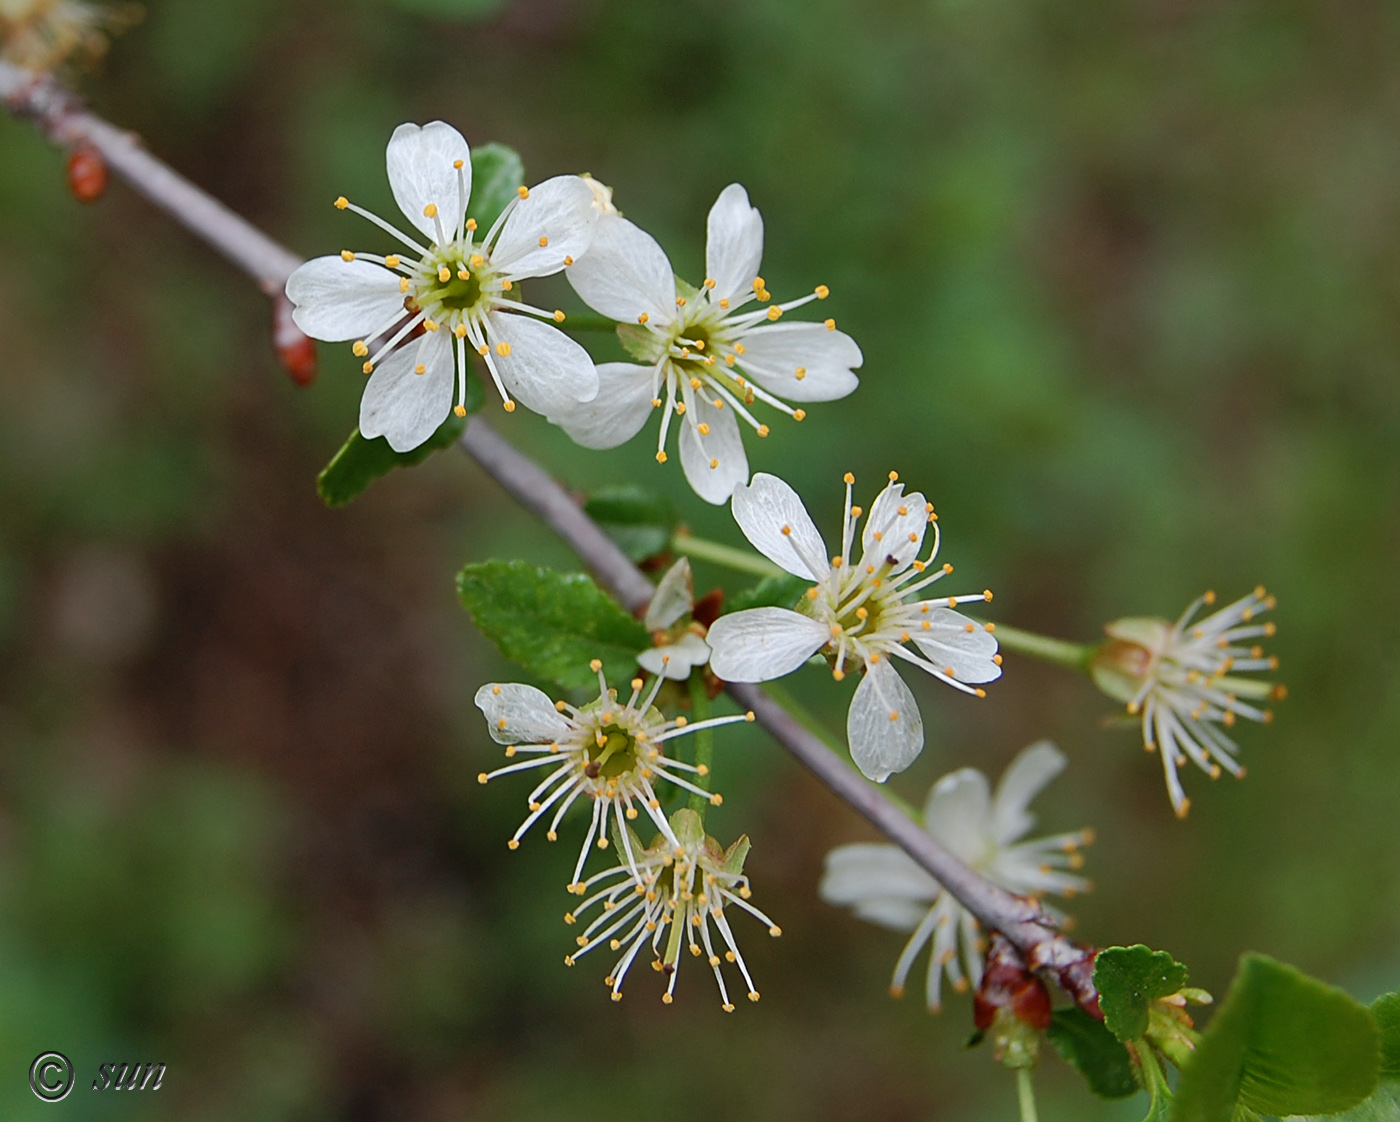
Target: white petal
{"type": "Point", "coordinates": [957, 813]}
{"type": "Point", "coordinates": [733, 244]}
{"type": "Point", "coordinates": [763, 643]}
{"type": "Point", "coordinates": [883, 727]}
{"type": "Point", "coordinates": [337, 300]}
{"type": "Point", "coordinates": [422, 172]}
{"type": "Point", "coordinates": [674, 597]}
{"type": "Point", "coordinates": [901, 536]}
{"type": "Point", "coordinates": [547, 370]}
{"type": "Point", "coordinates": [406, 408]}
{"type": "Point", "coordinates": [529, 716]}
{"type": "Point", "coordinates": [950, 645]}
{"type": "Point", "coordinates": [714, 464]}
{"type": "Point", "coordinates": [559, 210]}
{"type": "Point", "coordinates": [625, 274]}
{"type": "Point", "coordinates": [774, 352]}
{"type": "Point", "coordinates": [617, 413]}
{"type": "Point", "coordinates": [897, 915]}
{"type": "Point", "coordinates": [1024, 778]}
{"type": "Point", "coordinates": [676, 660]}
{"type": "Point", "coordinates": [869, 871]}
{"type": "Point", "coordinates": [763, 509]}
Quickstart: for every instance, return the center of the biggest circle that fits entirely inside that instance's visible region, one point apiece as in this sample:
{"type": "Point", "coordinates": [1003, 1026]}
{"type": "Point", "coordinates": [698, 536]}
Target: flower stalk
{"type": "Point", "coordinates": [704, 743]}
{"type": "Point", "coordinates": [740, 560]}
{"type": "Point", "coordinates": [1058, 652]}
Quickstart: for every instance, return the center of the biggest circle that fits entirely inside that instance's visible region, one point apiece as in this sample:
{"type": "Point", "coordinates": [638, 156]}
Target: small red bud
{"type": "Point", "coordinates": [87, 173]}
{"type": "Point", "coordinates": [1007, 984]}
{"type": "Point", "coordinates": [295, 351]}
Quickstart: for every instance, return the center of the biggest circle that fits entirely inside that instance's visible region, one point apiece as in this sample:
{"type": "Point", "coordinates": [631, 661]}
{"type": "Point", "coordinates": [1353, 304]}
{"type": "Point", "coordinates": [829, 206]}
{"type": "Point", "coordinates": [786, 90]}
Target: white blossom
{"type": "Point", "coordinates": [1182, 679]}
{"type": "Point", "coordinates": [413, 315]}
{"type": "Point", "coordinates": [708, 355]}
{"type": "Point", "coordinates": [883, 884]}
{"type": "Point", "coordinates": [859, 614]}
{"type": "Point", "coordinates": [610, 753]}
{"type": "Point", "coordinates": [669, 896]}
{"type": "Point", "coordinates": [678, 642]}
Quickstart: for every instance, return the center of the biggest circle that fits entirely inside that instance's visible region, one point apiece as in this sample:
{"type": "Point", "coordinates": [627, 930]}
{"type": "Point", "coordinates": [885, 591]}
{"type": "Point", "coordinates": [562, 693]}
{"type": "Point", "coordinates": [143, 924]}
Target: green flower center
{"type": "Point", "coordinates": [457, 292]}
{"type": "Point", "coordinates": [616, 756]}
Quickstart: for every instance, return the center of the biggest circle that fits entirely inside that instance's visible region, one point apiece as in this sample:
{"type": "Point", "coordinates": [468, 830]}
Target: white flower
{"type": "Point", "coordinates": [707, 357]}
{"type": "Point", "coordinates": [677, 650]}
{"type": "Point", "coordinates": [859, 613]}
{"type": "Point", "coordinates": [882, 884]}
{"type": "Point", "coordinates": [42, 34]}
{"type": "Point", "coordinates": [457, 287]}
{"type": "Point", "coordinates": [609, 752]}
{"type": "Point", "coordinates": [1182, 679]}
{"type": "Point", "coordinates": [684, 881]}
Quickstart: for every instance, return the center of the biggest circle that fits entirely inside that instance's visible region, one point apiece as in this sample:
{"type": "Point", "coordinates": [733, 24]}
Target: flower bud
{"type": "Point", "coordinates": [1012, 1006]}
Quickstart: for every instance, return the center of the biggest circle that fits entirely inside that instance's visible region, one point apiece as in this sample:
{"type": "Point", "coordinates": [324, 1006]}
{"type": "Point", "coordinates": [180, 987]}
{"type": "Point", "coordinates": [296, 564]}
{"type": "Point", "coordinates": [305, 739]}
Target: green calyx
{"type": "Point", "coordinates": [615, 755]}
{"type": "Point", "coordinates": [1121, 663]}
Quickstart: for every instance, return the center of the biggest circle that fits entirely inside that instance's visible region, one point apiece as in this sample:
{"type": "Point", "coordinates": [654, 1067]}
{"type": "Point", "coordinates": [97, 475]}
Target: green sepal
{"type": "Point", "coordinates": [552, 623]}
{"type": "Point", "coordinates": [1386, 1010]}
{"type": "Point", "coordinates": [1086, 1045]}
{"type": "Point", "coordinates": [497, 176]}
{"type": "Point", "coordinates": [1129, 979]}
{"type": "Point", "coordinates": [1284, 1044]}
{"type": "Point", "coordinates": [641, 344]}
{"type": "Point", "coordinates": [361, 460]}
{"type": "Point", "coordinates": [640, 521]}
{"type": "Point", "coordinates": [771, 592]}
{"type": "Point", "coordinates": [736, 855]}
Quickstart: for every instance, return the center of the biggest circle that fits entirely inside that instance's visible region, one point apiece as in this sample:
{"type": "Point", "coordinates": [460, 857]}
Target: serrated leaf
{"type": "Point", "coordinates": [1386, 1010]}
{"type": "Point", "coordinates": [1283, 1044]}
{"type": "Point", "coordinates": [498, 173]}
{"type": "Point", "coordinates": [1093, 1051]}
{"type": "Point", "coordinates": [361, 460]}
{"type": "Point", "coordinates": [771, 592]}
{"type": "Point", "coordinates": [1129, 979]}
{"type": "Point", "coordinates": [1383, 1106]}
{"type": "Point", "coordinates": [640, 521]}
{"type": "Point", "coordinates": [552, 623]}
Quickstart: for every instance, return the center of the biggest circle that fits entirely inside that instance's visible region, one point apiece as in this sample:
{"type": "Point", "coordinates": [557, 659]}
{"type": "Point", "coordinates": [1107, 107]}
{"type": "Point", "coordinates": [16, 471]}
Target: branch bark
{"type": "Point", "coordinates": [61, 117]}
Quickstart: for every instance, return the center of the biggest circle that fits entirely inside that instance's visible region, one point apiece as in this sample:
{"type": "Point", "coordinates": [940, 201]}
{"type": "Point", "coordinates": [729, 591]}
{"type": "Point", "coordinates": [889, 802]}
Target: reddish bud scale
{"type": "Point", "coordinates": [295, 351]}
{"type": "Point", "coordinates": [708, 607]}
{"type": "Point", "coordinates": [87, 173]}
{"type": "Point", "coordinates": [1007, 984]}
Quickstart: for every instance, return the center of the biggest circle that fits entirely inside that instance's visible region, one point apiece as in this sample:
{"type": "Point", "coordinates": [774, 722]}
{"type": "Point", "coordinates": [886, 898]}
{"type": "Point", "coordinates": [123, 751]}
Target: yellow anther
{"type": "Point", "coordinates": [643, 318]}
{"type": "Point", "coordinates": [507, 285]}
{"type": "Point", "coordinates": [980, 693]}
{"type": "Point", "coordinates": [661, 457]}
{"type": "Point", "coordinates": [862, 613]}
{"type": "Point", "coordinates": [403, 284]}
{"type": "Point", "coordinates": [543, 240]}
{"type": "Point", "coordinates": [523, 192]}
{"type": "Point", "coordinates": [444, 274]}
{"type": "Point", "coordinates": [987, 595]}
{"type": "Point", "coordinates": [656, 403]}
{"type": "Point", "coordinates": [420, 369]}
{"type": "Point", "coordinates": [341, 203]}
{"type": "Point", "coordinates": [558, 316]}
{"type": "Point", "coordinates": [831, 325]}
{"type": "Point", "coordinates": [758, 284]}
{"type": "Point", "coordinates": [482, 349]}
{"type": "Point", "coordinates": [476, 261]}
{"type": "Point", "coordinates": [513, 844]}
{"type": "Point", "coordinates": [503, 349]}
{"type": "Point", "coordinates": [464, 274]}
{"type": "Point", "coordinates": [695, 383]}
{"type": "Point", "coordinates": [996, 658]}
{"type": "Point", "coordinates": [430, 325]}
{"type": "Point", "coordinates": [392, 261]}
{"type": "Point", "coordinates": [822, 292]}
{"type": "Point", "coordinates": [680, 301]}
{"type": "Point", "coordinates": [724, 303]}
{"type": "Point", "coordinates": [799, 414]}
{"type": "Point", "coordinates": [346, 255]}
{"type": "Point", "coordinates": [762, 430]}
{"type": "Point", "coordinates": [716, 799]}
{"type": "Point", "coordinates": [800, 373]}
{"type": "Point", "coordinates": [482, 777]}
{"type": "Point", "coordinates": [368, 368]}
{"type": "Point", "coordinates": [774, 312]}
{"type": "Point", "coordinates": [596, 665]}
{"type": "Point", "coordinates": [703, 429]}
{"type": "Point", "coordinates": [508, 406]}
{"type": "Point", "coordinates": [359, 350]}
{"type": "Point", "coordinates": [471, 223]}
{"type": "Point", "coordinates": [430, 211]}
{"type": "Point", "coordinates": [568, 260]}
{"type": "Point", "coordinates": [460, 331]}
{"type": "Point", "coordinates": [714, 464]}
{"type": "Point", "coordinates": [458, 164]}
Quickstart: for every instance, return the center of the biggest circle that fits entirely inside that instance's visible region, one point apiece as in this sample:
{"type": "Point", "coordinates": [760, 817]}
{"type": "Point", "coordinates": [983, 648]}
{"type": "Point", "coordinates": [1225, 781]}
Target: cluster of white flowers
{"type": "Point", "coordinates": [706, 355]}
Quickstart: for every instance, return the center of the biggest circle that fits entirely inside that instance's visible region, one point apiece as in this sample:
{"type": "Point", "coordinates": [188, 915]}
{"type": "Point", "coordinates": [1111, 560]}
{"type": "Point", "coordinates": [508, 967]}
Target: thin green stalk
{"type": "Point", "coordinates": [582, 321]}
{"type": "Point", "coordinates": [809, 721]}
{"type": "Point", "coordinates": [1026, 1093]}
{"type": "Point", "coordinates": [704, 741]}
{"type": "Point", "coordinates": [1072, 656]}
{"type": "Point", "coordinates": [739, 559]}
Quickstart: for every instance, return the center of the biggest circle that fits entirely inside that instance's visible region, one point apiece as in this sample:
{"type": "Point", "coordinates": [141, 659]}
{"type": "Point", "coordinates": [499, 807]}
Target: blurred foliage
{"type": "Point", "coordinates": [1125, 279]}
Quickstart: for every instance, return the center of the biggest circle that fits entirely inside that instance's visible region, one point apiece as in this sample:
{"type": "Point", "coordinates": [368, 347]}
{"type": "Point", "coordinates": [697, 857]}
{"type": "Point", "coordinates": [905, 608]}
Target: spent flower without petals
{"type": "Point", "coordinates": [860, 614]}
{"type": "Point", "coordinates": [883, 884]}
{"type": "Point", "coordinates": [414, 315]}
{"type": "Point", "coordinates": [610, 752]}
{"type": "Point", "coordinates": [708, 354]}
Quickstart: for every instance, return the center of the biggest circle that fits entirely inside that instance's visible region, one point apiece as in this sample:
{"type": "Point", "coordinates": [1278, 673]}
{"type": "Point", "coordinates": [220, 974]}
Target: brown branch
{"type": "Point", "coordinates": [62, 119]}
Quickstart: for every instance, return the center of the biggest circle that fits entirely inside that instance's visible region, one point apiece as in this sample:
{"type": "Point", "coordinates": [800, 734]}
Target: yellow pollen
{"type": "Point", "coordinates": [420, 369]}
{"type": "Point", "coordinates": [926, 626]}
{"type": "Point", "coordinates": [839, 675]}
{"type": "Point", "coordinates": [987, 595]}
{"type": "Point", "coordinates": [680, 301]}
{"type": "Point", "coordinates": [980, 693]}
{"type": "Point", "coordinates": [800, 373]}
{"type": "Point", "coordinates": [774, 312]}
{"type": "Point", "coordinates": [460, 410]}
{"type": "Point", "coordinates": [661, 457]}
{"type": "Point", "coordinates": [799, 414]}
{"type": "Point", "coordinates": [513, 844]}
{"type": "Point", "coordinates": [506, 285]}
{"type": "Point", "coordinates": [695, 383]}
{"type": "Point", "coordinates": [544, 241]}
{"type": "Point", "coordinates": [596, 665]}
{"type": "Point", "coordinates": [482, 349]}
{"type": "Point", "coordinates": [403, 284]}
{"type": "Point", "coordinates": [643, 318]}
{"type": "Point", "coordinates": [716, 800]}
{"type": "Point", "coordinates": [392, 261]}
{"type": "Point", "coordinates": [463, 274]}
{"type": "Point", "coordinates": [429, 325]}
{"type": "Point", "coordinates": [444, 273]}
{"type": "Point", "coordinates": [457, 164]}
{"type": "Point", "coordinates": [471, 223]}
{"type": "Point", "coordinates": [759, 284]}
{"type": "Point", "coordinates": [346, 255]}
{"type": "Point", "coordinates": [482, 777]}
{"type": "Point", "coordinates": [503, 349]}
{"type": "Point", "coordinates": [714, 464]}
{"type": "Point", "coordinates": [460, 331]}
{"type": "Point", "coordinates": [430, 211]}
{"type": "Point", "coordinates": [724, 303]}
{"type": "Point", "coordinates": [558, 316]}
{"type": "Point", "coordinates": [862, 613]}
{"type": "Point", "coordinates": [762, 430]}
{"type": "Point", "coordinates": [476, 261]}
{"type": "Point", "coordinates": [568, 260]}
{"type": "Point", "coordinates": [787, 531]}
{"type": "Point", "coordinates": [822, 292]}
{"type": "Point", "coordinates": [508, 406]}
{"type": "Point", "coordinates": [831, 325]}
{"type": "Point", "coordinates": [359, 350]}
{"type": "Point", "coordinates": [368, 368]}
{"type": "Point", "coordinates": [523, 192]}
{"type": "Point", "coordinates": [341, 203]}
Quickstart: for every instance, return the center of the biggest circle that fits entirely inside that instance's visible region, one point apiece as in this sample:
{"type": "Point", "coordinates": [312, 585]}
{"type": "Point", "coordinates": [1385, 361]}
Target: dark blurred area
{"type": "Point", "coordinates": [1125, 276]}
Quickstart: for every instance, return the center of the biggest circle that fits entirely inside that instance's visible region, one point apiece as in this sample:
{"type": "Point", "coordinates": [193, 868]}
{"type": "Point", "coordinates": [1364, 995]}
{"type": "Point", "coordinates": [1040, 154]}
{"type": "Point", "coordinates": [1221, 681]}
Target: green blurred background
{"type": "Point", "coordinates": [1124, 273]}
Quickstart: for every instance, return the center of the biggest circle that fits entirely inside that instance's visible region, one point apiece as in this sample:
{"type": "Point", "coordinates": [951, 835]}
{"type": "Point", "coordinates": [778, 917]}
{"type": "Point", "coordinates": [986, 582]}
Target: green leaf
{"type": "Point", "coordinates": [1129, 979]}
{"type": "Point", "coordinates": [641, 522]}
{"type": "Point", "coordinates": [452, 9]}
{"type": "Point", "coordinates": [362, 460]}
{"type": "Point", "coordinates": [1386, 1009]}
{"type": "Point", "coordinates": [1383, 1106]}
{"type": "Point", "coordinates": [497, 174]}
{"type": "Point", "coordinates": [1088, 1047]}
{"type": "Point", "coordinates": [552, 623]}
{"type": "Point", "coordinates": [771, 592]}
{"type": "Point", "coordinates": [1283, 1044]}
